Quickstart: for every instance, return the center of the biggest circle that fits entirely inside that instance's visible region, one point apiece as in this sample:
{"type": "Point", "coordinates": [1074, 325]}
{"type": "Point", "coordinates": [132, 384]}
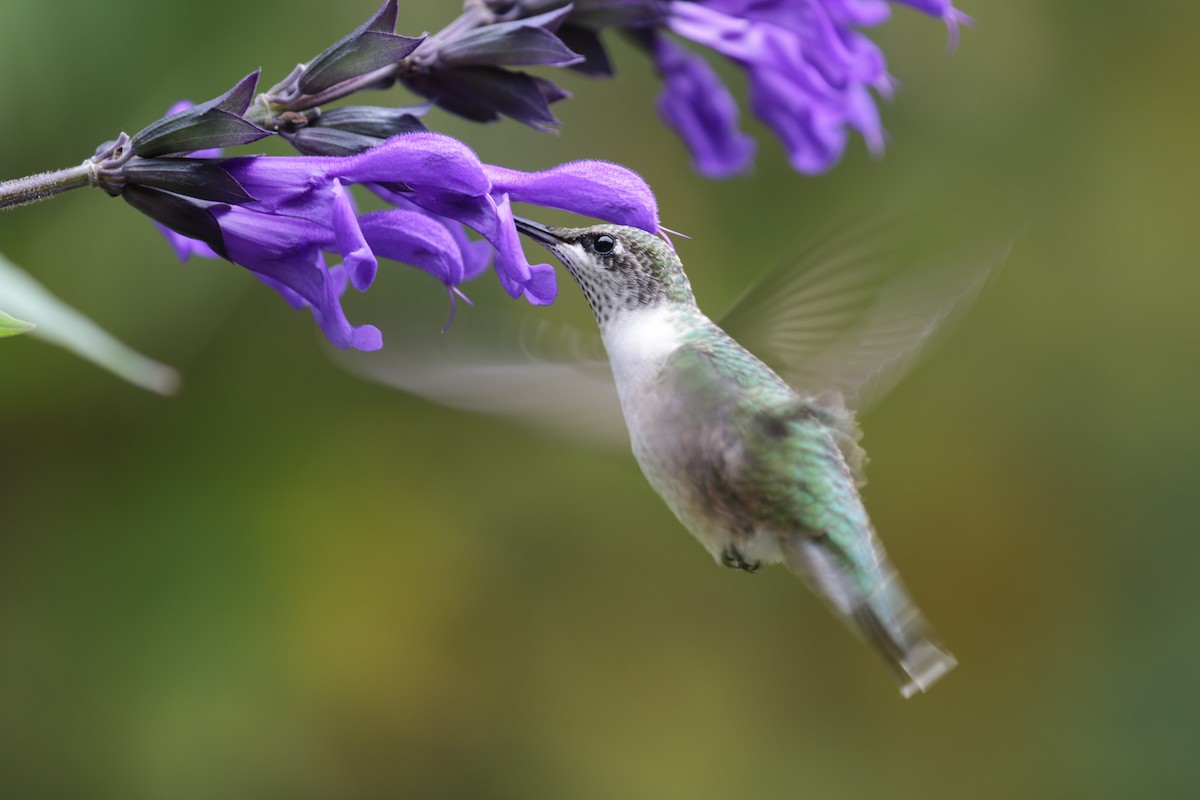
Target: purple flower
{"type": "Point", "coordinates": [285, 252]}
{"type": "Point", "coordinates": [701, 110]}
{"type": "Point", "coordinates": [185, 247]}
{"type": "Point", "coordinates": [944, 9]}
{"type": "Point", "coordinates": [811, 75]}
{"type": "Point", "coordinates": [592, 188]}
{"type": "Point", "coordinates": [301, 208]}
{"type": "Point", "coordinates": [475, 254]}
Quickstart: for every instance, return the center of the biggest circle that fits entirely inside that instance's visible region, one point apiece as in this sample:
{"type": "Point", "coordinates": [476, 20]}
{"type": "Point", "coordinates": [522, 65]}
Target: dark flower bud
{"type": "Point", "coordinates": [193, 177]}
{"type": "Point", "coordinates": [217, 123]}
{"type": "Point", "coordinates": [484, 94]}
{"type": "Point", "coordinates": [597, 14]}
{"type": "Point", "coordinates": [369, 47]}
{"type": "Point", "coordinates": [382, 123]}
{"type": "Point", "coordinates": [185, 217]}
{"type": "Point", "coordinates": [586, 42]}
{"type": "Point", "coordinates": [330, 141]}
{"type": "Point", "coordinates": [527, 41]}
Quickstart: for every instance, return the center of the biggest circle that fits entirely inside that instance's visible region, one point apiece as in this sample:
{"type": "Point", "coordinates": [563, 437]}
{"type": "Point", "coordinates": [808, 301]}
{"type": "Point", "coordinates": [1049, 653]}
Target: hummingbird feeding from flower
{"type": "Point", "coordinates": [759, 468]}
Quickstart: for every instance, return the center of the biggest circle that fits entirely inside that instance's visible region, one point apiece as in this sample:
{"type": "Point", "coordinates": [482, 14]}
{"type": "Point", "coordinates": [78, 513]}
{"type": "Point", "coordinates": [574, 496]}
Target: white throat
{"type": "Point", "coordinates": [638, 342]}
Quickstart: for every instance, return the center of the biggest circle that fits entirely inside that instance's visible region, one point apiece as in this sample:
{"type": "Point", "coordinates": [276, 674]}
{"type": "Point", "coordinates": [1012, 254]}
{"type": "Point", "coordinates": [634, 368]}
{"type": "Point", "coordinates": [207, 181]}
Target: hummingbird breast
{"type": "Point", "coordinates": [717, 434]}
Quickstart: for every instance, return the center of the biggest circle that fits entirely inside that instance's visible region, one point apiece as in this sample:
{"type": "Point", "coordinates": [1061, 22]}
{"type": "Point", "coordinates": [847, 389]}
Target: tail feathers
{"type": "Point", "coordinates": [915, 660]}
{"type": "Point", "coordinates": [884, 616]}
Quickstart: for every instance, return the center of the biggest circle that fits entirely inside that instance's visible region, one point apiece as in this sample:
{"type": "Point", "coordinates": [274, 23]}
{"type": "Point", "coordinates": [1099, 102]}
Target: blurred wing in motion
{"type": "Point", "coordinates": [498, 356]}
{"type": "Point", "coordinates": [850, 314]}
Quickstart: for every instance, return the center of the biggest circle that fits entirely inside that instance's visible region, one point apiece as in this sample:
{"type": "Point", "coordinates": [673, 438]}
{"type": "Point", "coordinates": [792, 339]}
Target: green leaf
{"type": "Point", "coordinates": [11, 326]}
{"type": "Point", "coordinates": [62, 325]}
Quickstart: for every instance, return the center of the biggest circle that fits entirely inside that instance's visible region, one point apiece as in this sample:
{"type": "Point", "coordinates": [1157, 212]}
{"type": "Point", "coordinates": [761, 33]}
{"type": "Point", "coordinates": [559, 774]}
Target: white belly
{"type": "Point", "coordinates": [638, 348]}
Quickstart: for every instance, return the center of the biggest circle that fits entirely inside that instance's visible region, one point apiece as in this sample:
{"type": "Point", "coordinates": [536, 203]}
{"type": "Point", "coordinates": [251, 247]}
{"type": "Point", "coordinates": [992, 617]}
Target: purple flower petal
{"type": "Point", "coordinates": [357, 257]}
{"type": "Point", "coordinates": [863, 114]}
{"type": "Point", "coordinates": [417, 159]}
{"type": "Point", "coordinates": [813, 136]}
{"type": "Point", "coordinates": [950, 15]}
{"type": "Point", "coordinates": [592, 188]}
{"type": "Point", "coordinates": [493, 220]}
{"type": "Point", "coordinates": [697, 105]}
{"type": "Point", "coordinates": [537, 281]}
{"type": "Point", "coordinates": [809, 69]}
{"type": "Point", "coordinates": [864, 13]}
{"type": "Point", "coordinates": [184, 246]}
{"type": "Point", "coordinates": [476, 255]}
{"type": "Point", "coordinates": [302, 185]}
{"type": "Point", "coordinates": [286, 251]}
{"type": "Point", "coordinates": [296, 186]}
{"type": "Point", "coordinates": [414, 238]}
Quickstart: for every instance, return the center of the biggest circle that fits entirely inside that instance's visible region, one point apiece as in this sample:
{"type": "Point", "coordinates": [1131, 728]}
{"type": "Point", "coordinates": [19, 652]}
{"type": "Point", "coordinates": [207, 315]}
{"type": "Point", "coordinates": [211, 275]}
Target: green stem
{"type": "Point", "coordinates": [22, 191]}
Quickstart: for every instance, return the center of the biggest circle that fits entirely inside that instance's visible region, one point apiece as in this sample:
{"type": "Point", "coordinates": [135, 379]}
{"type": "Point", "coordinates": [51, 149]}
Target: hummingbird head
{"type": "Point", "coordinates": [618, 268]}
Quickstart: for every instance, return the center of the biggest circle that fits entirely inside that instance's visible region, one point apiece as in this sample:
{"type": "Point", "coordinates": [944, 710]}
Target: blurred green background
{"type": "Point", "coordinates": [287, 582]}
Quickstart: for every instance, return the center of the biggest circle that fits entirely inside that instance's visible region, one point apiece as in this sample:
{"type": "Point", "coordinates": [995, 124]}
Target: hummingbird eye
{"type": "Point", "coordinates": [604, 244]}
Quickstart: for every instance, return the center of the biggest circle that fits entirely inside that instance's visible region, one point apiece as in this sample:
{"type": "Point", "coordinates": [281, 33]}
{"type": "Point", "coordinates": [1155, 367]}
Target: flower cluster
{"type": "Point", "coordinates": [810, 70]}
{"type": "Point", "coordinates": [281, 217]}
{"type": "Point", "coordinates": [810, 73]}
{"type": "Point", "coordinates": [293, 210]}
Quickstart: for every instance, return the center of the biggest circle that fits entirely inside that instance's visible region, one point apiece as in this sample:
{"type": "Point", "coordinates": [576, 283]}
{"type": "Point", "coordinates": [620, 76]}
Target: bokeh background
{"type": "Point", "coordinates": [288, 582]}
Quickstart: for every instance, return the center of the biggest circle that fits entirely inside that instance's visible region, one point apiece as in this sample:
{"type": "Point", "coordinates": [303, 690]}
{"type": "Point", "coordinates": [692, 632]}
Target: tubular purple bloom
{"type": "Point", "coordinates": [592, 188]}
{"type": "Point", "coordinates": [415, 238]}
{"type": "Point", "coordinates": [491, 218]}
{"type": "Point", "coordinates": [476, 255]}
{"type": "Point", "coordinates": [300, 209]}
{"type": "Point", "coordinates": [302, 185]}
{"type": "Point", "coordinates": [697, 105]}
{"type": "Point", "coordinates": [287, 252]}
{"type": "Point", "coordinates": [446, 178]}
{"type": "Point", "coordinates": [428, 159]}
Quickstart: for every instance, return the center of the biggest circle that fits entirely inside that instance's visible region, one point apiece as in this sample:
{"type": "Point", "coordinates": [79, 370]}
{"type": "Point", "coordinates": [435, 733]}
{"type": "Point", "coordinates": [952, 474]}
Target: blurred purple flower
{"type": "Point", "coordinates": [810, 73]}
{"type": "Point", "coordinates": [701, 110]}
{"type": "Point", "coordinates": [301, 208]}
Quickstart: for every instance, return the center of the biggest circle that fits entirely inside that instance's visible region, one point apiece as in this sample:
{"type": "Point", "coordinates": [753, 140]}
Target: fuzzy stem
{"type": "Point", "coordinates": [22, 191]}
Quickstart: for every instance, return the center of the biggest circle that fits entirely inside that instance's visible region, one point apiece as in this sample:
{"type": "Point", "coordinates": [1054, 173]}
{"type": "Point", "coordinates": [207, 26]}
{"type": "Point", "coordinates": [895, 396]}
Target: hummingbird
{"type": "Point", "coordinates": [758, 472]}
{"type": "Point", "coordinates": [760, 463]}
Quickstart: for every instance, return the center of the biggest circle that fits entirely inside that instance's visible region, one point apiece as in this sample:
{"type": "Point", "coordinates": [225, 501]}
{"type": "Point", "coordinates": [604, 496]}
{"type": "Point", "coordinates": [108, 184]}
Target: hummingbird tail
{"type": "Point", "coordinates": [882, 614]}
{"type": "Point", "coordinates": [915, 660]}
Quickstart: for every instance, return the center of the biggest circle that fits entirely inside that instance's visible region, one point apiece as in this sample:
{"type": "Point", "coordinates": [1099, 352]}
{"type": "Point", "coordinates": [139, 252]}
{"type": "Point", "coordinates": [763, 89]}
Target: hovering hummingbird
{"type": "Point", "coordinates": [757, 472]}
{"type": "Point", "coordinates": [760, 470]}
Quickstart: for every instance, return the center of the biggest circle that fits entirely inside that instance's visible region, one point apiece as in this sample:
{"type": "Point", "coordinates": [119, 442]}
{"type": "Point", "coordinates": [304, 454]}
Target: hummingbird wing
{"type": "Point", "coordinates": [494, 357]}
{"type": "Point", "coordinates": [850, 314]}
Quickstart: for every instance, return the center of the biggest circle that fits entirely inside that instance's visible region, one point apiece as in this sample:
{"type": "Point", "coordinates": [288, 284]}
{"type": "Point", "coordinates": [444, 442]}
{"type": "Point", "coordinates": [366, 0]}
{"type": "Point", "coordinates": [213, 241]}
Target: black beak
{"type": "Point", "coordinates": [536, 231]}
